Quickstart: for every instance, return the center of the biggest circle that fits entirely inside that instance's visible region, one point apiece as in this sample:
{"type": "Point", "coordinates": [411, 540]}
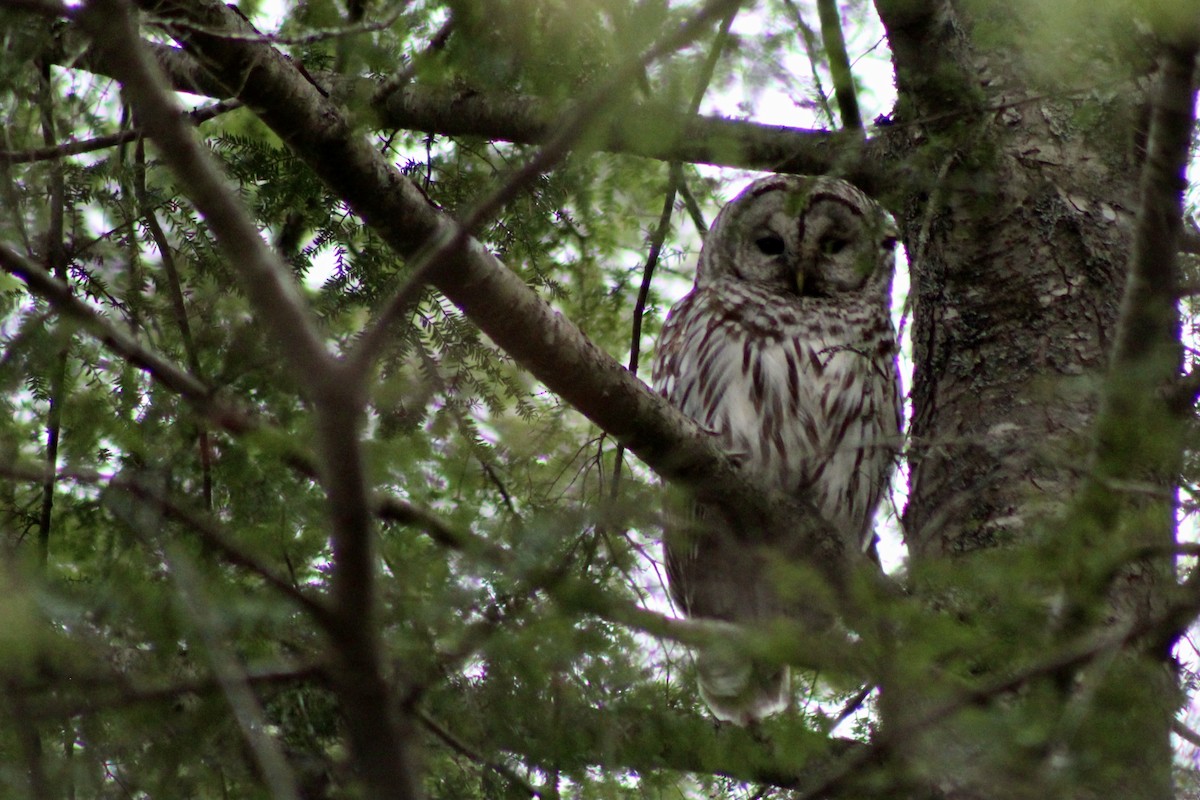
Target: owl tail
{"type": "Point", "coordinates": [739, 690]}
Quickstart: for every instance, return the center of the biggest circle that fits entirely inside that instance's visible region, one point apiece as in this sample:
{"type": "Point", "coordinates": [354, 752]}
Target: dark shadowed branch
{"type": "Point", "coordinates": [496, 299]}
{"type": "Point", "coordinates": [1147, 354]}
{"type": "Point", "coordinates": [374, 732]}
{"type": "Point", "coordinates": [570, 128]}
{"type": "Point", "coordinates": [839, 65]}
{"type": "Point", "coordinates": [644, 129]}
{"type": "Point", "coordinates": [927, 44]}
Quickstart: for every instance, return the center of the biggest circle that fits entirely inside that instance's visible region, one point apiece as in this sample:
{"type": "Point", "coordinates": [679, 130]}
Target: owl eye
{"type": "Point", "coordinates": [769, 245]}
{"type": "Point", "coordinates": [831, 247]}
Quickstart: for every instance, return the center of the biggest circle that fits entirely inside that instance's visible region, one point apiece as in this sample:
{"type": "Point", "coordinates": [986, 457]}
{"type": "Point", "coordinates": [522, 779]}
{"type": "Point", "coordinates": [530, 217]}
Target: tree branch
{"type": "Point", "coordinates": [927, 49]}
{"type": "Point", "coordinates": [643, 130]}
{"type": "Point", "coordinates": [839, 65]}
{"type": "Point", "coordinates": [375, 733]}
{"type": "Point", "coordinates": [634, 733]}
{"type": "Point", "coordinates": [496, 299]}
{"type": "Point", "coordinates": [110, 140]}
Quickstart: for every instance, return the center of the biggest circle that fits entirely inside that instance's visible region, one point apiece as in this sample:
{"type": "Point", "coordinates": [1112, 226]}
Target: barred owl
{"type": "Point", "coordinates": [784, 350]}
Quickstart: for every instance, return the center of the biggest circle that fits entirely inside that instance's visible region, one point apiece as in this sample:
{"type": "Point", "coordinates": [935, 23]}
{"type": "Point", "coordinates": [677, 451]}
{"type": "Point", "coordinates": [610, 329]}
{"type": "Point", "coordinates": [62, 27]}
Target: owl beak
{"type": "Point", "coordinates": [809, 285]}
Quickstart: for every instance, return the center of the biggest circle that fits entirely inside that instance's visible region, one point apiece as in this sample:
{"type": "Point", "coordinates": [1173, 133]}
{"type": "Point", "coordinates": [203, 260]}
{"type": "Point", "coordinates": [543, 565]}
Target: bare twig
{"type": "Point", "coordinates": [814, 52]}
{"type": "Point", "coordinates": [56, 262]}
{"type": "Point", "coordinates": [232, 678]}
{"type": "Point", "coordinates": [659, 236]}
{"type": "Point", "coordinates": [1184, 732]}
{"type": "Point", "coordinates": [852, 705]}
{"type": "Point", "coordinates": [693, 208]}
{"type": "Point", "coordinates": [110, 140]}
{"type": "Point", "coordinates": [464, 749]}
{"type": "Point", "coordinates": [267, 281]}
{"type": "Point", "coordinates": [571, 127]}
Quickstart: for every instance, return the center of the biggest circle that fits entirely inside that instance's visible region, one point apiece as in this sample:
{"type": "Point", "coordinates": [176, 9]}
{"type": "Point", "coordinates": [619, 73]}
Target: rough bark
{"type": "Point", "coordinates": [1019, 254]}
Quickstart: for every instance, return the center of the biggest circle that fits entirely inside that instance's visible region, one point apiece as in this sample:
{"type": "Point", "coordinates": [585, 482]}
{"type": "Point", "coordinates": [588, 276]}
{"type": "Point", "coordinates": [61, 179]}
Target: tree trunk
{"type": "Point", "coordinates": [1019, 246]}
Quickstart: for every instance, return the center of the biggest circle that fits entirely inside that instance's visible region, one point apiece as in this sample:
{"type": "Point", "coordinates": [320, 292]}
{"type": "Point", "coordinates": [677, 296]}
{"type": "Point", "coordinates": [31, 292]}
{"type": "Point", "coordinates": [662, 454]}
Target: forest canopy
{"type": "Point", "coordinates": [328, 467]}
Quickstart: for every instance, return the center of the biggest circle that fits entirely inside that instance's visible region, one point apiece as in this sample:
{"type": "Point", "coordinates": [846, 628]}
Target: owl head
{"type": "Point", "coordinates": [803, 236]}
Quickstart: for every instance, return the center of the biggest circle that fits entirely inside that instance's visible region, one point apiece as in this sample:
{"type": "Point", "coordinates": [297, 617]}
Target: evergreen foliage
{"type": "Point", "coordinates": [166, 556]}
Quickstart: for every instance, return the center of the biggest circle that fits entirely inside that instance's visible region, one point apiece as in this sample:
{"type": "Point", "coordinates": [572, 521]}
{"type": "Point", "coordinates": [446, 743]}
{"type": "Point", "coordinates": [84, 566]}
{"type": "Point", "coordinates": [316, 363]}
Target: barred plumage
{"type": "Point", "coordinates": [785, 350]}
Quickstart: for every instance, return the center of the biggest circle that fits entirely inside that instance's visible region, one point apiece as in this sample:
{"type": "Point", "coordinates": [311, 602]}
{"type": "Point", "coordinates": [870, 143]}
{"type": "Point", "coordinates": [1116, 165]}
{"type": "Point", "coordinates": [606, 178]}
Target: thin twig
{"type": "Point", "coordinates": [56, 262]}
{"type": "Point", "coordinates": [659, 236]}
{"type": "Point", "coordinates": [232, 678]}
{"type": "Point", "coordinates": [110, 140]}
{"type": "Point", "coordinates": [809, 38]}
{"type": "Point", "coordinates": [464, 749]}
{"type": "Point", "coordinates": [693, 208]}
{"type": "Point", "coordinates": [573, 125]}
{"type": "Point", "coordinates": [1184, 732]}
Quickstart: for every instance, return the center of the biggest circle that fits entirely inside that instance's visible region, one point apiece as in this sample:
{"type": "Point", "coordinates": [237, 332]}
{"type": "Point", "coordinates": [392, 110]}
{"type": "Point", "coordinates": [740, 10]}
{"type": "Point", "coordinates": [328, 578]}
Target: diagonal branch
{"type": "Point", "coordinates": [497, 300]}
{"type": "Point", "coordinates": [266, 280]}
{"type": "Point", "coordinates": [376, 736]}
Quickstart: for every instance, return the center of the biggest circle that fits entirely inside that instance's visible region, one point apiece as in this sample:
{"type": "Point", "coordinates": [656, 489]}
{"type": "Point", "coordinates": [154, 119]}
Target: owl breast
{"type": "Point", "coordinates": [801, 391]}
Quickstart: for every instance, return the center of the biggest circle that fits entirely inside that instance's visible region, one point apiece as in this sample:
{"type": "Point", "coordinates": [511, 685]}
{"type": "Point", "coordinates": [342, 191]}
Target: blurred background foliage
{"type": "Point", "coordinates": [111, 662]}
